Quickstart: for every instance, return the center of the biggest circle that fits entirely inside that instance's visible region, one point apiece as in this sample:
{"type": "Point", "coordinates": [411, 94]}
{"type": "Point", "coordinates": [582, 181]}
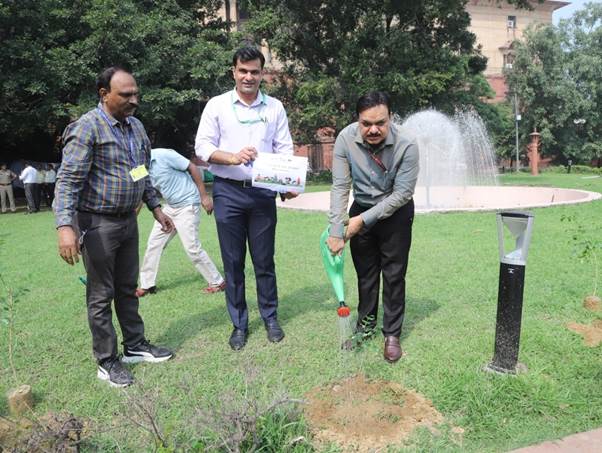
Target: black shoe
{"type": "Point", "coordinates": [113, 371]}
{"type": "Point", "coordinates": [146, 352]}
{"type": "Point", "coordinates": [238, 339]}
{"type": "Point", "coordinates": [275, 332]}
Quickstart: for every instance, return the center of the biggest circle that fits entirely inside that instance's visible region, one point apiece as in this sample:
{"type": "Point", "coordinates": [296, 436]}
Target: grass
{"type": "Point", "coordinates": [448, 333]}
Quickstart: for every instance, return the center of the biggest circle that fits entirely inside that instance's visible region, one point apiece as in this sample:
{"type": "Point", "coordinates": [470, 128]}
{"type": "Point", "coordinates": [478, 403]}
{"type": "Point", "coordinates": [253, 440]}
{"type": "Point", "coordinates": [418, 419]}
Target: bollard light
{"type": "Point", "coordinates": [510, 292]}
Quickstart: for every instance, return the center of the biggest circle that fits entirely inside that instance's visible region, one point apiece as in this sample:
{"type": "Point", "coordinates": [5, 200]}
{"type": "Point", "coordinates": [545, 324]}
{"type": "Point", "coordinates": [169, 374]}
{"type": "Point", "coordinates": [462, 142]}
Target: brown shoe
{"type": "Point", "coordinates": [392, 349]}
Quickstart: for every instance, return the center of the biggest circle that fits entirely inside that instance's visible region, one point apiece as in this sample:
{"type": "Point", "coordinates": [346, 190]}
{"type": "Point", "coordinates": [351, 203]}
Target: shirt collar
{"type": "Point", "coordinates": [260, 99]}
{"type": "Point", "coordinates": [389, 139]}
{"type": "Point", "coordinates": [110, 117]}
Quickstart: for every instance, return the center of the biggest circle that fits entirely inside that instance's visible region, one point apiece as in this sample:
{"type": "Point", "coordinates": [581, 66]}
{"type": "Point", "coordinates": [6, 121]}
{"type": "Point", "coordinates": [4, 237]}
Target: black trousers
{"type": "Point", "coordinates": [384, 248]}
{"type": "Point", "coordinates": [246, 215]}
{"type": "Point", "coordinates": [110, 251]}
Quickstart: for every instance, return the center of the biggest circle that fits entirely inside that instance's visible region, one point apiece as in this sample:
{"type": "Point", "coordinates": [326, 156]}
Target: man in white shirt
{"type": "Point", "coordinates": [234, 127]}
{"type": "Point", "coordinates": [29, 177]}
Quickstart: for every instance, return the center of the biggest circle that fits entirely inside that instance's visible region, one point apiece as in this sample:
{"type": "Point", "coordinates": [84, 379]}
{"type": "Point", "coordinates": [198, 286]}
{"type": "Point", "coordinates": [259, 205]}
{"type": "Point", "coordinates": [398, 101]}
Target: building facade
{"type": "Point", "coordinates": [497, 25]}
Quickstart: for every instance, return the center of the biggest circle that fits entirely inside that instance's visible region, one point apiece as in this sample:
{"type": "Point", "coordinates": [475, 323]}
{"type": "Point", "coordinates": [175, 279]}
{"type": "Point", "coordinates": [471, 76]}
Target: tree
{"type": "Point", "coordinates": [420, 52]}
{"type": "Point", "coordinates": [52, 50]}
{"type": "Point", "coordinates": [557, 80]}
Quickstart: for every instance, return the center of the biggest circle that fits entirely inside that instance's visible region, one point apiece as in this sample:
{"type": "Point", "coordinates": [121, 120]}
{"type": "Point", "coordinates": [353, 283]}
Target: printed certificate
{"type": "Point", "coordinates": [280, 172]}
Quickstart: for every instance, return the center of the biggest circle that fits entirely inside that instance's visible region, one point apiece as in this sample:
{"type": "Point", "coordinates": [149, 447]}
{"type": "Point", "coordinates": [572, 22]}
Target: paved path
{"type": "Point", "coordinates": [588, 442]}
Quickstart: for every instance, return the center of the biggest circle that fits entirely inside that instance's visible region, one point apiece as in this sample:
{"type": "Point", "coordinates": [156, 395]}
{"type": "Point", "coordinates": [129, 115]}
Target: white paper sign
{"type": "Point", "coordinates": [280, 172]}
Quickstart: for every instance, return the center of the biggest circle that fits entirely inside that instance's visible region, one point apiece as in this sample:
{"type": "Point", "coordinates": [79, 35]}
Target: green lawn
{"type": "Point", "coordinates": [448, 334]}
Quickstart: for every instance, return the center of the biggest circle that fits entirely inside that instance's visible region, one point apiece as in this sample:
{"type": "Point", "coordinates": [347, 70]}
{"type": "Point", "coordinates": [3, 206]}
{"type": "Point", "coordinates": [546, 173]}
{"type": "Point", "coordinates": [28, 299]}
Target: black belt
{"type": "Point", "coordinates": [5, 184]}
{"type": "Point", "coordinates": [120, 215]}
{"type": "Point", "coordinates": [246, 183]}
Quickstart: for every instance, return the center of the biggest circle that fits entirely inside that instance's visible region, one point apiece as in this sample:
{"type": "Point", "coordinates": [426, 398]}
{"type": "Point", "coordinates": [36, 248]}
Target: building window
{"type": "Point", "coordinates": [508, 60]}
{"type": "Point", "coordinates": [511, 22]}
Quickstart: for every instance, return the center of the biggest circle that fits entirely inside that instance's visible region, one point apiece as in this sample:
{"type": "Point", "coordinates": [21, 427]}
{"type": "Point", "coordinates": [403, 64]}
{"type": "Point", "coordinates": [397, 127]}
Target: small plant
{"type": "Point", "coordinates": [8, 298]}
{"type": "Point", "coordinates": [586, 245]}
{"type": "Point", "coordinates": [366, 330]}
{"type": "Point", "coordinates": [249, 422]}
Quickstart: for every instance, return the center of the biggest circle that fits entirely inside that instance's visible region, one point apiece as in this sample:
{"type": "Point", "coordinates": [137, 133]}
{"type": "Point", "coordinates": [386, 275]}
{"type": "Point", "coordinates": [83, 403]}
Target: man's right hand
{"type": "Point", "coordinates": [245, 155]}
{"type": "Point", "coordinates": [335, 245]}
{"type": "Point", "coordinates": [68, 245]}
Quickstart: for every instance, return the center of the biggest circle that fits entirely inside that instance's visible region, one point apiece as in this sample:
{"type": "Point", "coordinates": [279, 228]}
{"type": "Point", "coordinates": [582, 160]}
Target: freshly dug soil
{"type": "Point", "coordinates": [362, 415]}
{"type": "Point", "coordinates": [592, 303]}
{"type": "Point", "coordinates": [592, 334]}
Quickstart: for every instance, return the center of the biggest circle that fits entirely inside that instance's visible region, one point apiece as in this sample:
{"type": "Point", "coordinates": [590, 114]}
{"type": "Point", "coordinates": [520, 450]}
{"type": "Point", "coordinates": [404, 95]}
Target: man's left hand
{"type": "Point", "coordinates": [355, 225]}
{"type": "Point", "coordinates": [167, 225]}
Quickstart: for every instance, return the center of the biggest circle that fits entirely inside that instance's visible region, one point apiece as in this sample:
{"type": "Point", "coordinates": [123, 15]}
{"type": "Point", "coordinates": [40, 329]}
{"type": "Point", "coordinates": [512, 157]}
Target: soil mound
{"type": "Point", "coordinates": [592, 334]}
{"type": "Point", "coordinates": [592, 303]}
{"type": "Point", "coordinates": [362, 415]}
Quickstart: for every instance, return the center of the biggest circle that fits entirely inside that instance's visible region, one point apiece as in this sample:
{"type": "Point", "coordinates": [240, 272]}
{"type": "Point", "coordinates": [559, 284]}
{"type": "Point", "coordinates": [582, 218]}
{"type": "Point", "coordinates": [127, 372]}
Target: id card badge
{"type": "Point", "coordinates": [138, 173]}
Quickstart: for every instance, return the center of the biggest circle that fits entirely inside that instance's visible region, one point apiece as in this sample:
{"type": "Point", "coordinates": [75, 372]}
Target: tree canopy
{"type": "Point", "coordinates": [52, 50]}
{"type": "Point", "coordinates": [420, 52]}
{"type": "Point", "coordinates": [556, 77]}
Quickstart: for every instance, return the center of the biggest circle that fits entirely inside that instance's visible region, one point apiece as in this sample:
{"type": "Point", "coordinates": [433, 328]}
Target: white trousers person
{"type": "Point", "coordinates": [6, 191]}
{"type": "Point", "coordinates": [186, 220]}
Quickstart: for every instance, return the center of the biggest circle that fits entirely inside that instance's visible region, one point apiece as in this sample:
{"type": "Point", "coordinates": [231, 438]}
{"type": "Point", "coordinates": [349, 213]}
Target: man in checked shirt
{"type": "Point", "coordinates": [100, 183]}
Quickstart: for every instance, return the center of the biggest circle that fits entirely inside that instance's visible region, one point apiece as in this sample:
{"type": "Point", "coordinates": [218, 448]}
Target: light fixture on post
{"type": "Point", "coordinates": [510, 292]}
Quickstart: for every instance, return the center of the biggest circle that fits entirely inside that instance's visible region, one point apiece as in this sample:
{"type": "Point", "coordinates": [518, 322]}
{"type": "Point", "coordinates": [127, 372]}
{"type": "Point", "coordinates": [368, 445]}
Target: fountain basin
{"type": "Point", "coordinates": [469, 198]}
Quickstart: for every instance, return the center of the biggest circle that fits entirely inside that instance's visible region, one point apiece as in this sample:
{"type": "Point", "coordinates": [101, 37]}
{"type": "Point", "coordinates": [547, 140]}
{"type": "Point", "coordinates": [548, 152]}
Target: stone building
{"type": "Point", "coordinates": [497, 25]}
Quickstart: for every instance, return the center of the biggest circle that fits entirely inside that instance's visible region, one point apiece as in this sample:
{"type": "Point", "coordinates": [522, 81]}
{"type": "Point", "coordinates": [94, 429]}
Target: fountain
{"type": "Point", "coordinates": [458, 170]}
{"type": "Point", "coordinates": [455, 156]}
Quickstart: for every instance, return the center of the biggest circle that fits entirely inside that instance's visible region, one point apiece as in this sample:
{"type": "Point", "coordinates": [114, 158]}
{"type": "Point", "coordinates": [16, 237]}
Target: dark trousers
{"type": "Point", "coordinates": [246, 214]}
{"type": "Point", "coordinates": [384, 248]}
{"type": "Point", "coordinates": [110, 252]}
{"type": "Point", "coordinates": [47, 192]}
{"type": "Point", "coordinates": [37, 189]}
{"type": "Point", "coordinates": [30, 196]}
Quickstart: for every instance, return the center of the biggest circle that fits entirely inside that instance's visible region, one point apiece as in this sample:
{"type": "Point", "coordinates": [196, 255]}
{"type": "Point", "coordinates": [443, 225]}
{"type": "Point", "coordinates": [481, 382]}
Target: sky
{"type": "Point", "coordinates": [567, 11]}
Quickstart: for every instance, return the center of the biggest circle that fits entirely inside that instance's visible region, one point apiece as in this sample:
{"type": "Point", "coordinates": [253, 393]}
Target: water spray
{"type": "Point", "coordinates": [334, 265]}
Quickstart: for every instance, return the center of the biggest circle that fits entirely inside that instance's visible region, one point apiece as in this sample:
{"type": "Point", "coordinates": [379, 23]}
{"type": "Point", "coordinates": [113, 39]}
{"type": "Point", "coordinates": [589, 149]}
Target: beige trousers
{"type": "Point", "coordinates": [187, 220]}
{"type": "Point", "coordinates": [7, 192]}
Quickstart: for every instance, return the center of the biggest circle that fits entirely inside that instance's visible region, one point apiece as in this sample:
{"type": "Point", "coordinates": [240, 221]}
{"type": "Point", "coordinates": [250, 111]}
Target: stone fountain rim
{"type": "Point", "coordinates": [320, 201]}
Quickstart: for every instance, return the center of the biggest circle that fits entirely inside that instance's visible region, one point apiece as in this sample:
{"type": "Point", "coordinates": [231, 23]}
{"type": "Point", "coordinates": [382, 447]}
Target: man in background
{"type": "Point", "coordinates": [29, 176]}
{"type": "Point", "coordinates": [181, 184]}
{"type": "Point", "coordinates": [6, 188]}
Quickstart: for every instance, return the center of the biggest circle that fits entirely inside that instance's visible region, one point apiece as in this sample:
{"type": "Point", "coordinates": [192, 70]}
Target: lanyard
{"type": "Point", "coordinates": [377, 160]}
{"type": "Point", "coordinates": [130, 138]}
{"type": "Point", "coordinates": [260, 119]}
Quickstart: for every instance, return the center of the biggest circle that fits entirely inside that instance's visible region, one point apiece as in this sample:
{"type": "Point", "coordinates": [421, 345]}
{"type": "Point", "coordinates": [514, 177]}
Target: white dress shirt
{"type": "Point", "coordinates": [50, 177]}
{"type": "Point", "coordinates": [228, 124]}
{"type": "Point", "coordinates": [29, 175]}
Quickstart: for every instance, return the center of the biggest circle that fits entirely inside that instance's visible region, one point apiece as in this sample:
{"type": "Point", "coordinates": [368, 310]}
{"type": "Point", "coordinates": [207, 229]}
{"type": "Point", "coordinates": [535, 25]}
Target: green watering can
{"type": "Point", "coordinates": [334, 265]}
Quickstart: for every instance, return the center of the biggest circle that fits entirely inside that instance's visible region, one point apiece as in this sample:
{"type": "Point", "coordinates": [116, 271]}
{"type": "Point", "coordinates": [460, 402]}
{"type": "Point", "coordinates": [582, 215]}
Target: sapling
{"type": "Point", "coordinates": [586, 247]}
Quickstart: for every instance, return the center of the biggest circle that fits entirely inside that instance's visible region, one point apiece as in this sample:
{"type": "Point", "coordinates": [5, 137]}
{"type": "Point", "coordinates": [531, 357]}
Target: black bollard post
{"type": "Point", "coordinates": [569, 164]}
{"type": "Point", "coordinates": [510, 292]}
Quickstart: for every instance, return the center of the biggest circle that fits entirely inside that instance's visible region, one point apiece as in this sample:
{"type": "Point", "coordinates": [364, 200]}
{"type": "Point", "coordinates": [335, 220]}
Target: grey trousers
{"type": "Point", "coordinates": [30, 195]}
{"type": "Point", "coordinates": [110, 251]}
